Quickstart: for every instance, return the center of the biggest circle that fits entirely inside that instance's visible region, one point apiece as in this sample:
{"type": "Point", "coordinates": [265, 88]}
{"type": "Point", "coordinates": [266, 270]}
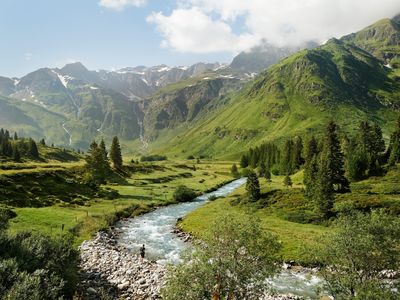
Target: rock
{"type": "Point", "coordinates": [92, 291]}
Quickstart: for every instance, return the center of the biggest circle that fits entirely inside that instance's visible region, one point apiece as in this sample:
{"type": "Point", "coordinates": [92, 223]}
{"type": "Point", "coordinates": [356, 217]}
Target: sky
{"type": "Point", "coordinates": [112, 34]}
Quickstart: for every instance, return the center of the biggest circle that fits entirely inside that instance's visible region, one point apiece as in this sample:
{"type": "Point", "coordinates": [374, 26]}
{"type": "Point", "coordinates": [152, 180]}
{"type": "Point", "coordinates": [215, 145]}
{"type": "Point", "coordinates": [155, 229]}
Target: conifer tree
{"type": "Point", "coordinates": [244, 161]}
{"type": "Point", "coordinates": [253, 186]}
{"type": "Point", "coordinates": [394, 146]}
{"type": "Point", "coordinates": [115, 154]}
{"type": "Point", "coordinates": [287, 181]}
{"type": "Point", "coordinates": [297, 160]}
{"type": "Point", "coordinates": [262, 169]}
{"type": "Point", "coordinates": [335, 159]}
{"type": "Point", "coordinates": [234, 171]}
{"type": "Point", "coordinates": [97, 164]}
{"type": "Point", "coordinates": [42, 142]}
{"type": "Point", "coordinates": [16, 154]}
{"type": "Point", "coordinates": [287, 159]}
{"type": "Point", "coordinates": [32, 149]}
{"type": "Point", "coordinates": [15, 136]}
{"type": "Point", "coordinates": [310, 167]}
{"type": "Point", "coordinates": [268, 175]}
{"type": "Point", "coordinates": [323, 194]}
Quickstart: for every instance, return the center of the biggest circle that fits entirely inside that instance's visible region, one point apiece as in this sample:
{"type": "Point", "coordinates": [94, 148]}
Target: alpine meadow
{"type": "Point", "coordinates": [236, 150]}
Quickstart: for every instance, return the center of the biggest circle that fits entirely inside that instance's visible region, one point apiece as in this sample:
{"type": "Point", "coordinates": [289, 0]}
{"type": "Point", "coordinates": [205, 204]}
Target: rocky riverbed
{"type": "Point", "coordinates": [109, 271]}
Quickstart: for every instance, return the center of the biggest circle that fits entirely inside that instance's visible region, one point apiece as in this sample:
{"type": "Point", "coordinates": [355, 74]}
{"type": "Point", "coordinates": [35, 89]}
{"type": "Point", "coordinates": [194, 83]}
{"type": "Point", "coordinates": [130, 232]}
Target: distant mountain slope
{"type": "Point", "coordinates": [296, 96]}
{"type": "Point", "coordinates": [263, 56]}
{"type": "Point", "coordinates": [381, 39]}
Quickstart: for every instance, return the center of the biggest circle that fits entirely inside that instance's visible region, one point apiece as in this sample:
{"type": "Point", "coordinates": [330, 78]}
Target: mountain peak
{"type": "Point", "coordinates": [76, 66]}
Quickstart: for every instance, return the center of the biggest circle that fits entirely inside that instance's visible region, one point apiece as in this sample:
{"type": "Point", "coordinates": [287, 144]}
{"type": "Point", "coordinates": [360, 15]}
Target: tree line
{"type": "Point", "coordinates": [329, 163]}
{"type": "Point", "coordinates": [15, 148]}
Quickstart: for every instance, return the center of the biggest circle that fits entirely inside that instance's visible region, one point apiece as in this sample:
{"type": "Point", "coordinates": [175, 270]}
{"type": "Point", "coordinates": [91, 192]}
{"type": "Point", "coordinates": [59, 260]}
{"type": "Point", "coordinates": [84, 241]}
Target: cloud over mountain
{"type": "Point", "coordinates": [206, 26]}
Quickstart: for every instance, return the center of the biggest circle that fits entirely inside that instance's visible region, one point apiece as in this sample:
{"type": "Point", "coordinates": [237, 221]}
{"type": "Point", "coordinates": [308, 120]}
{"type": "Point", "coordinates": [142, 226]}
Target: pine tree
{"type": "Point", "coordinates": [268, 175]}
{"type": "Point", "coordinates": [310, 167]}
{"type": "Point", "coordinates": [335, 159]}
{"type": "Point", "coordinates": [287, 181]}
{"type": "Point", "coordinates": [16, 154]}
{"type": "Point", "coordinates": [115, 154]}
{"type": "Point", "coordinates": [244, 161]}
{"type": "Point", "coordinates": [262, 169]}
{"type": "Point", "coordinates": [32, 149]}
{"type": "Point", "coordinates": [297, 160]}
{"type": "Point", "coordinates": [15, 136]}
{"type": "Point", "coordinates": [394, 146]}
{"type": "Point", "coordinates": [253, 186]}
{"type": "Point", "coordinates": [287, 165]}
{"type": "Point", "coordinates": [323, 194]}
{"type": "Point", "coordinates": [42, 142]}
{"type": "Point", "coordinates": [97, 164]}
{"type": "Point", "coordinates": [234, 171]}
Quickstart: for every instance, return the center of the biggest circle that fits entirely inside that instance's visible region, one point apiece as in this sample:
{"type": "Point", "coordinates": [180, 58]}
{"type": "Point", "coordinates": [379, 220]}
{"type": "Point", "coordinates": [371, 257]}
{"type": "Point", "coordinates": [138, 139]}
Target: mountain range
{"type": "Point", "coordinates": [266, 93]}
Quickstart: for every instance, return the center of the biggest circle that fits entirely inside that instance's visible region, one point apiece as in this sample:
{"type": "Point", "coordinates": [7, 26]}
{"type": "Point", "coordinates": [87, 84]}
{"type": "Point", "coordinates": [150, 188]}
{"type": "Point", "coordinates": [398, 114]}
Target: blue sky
{"type": "Point", "coordinates": [107, 34]}
{"type": "Point", "coordinates": [40, 33]}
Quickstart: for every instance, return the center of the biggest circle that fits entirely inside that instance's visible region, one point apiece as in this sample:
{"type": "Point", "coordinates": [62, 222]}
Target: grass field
{"type": "Point", "coordinates": [151, 185]}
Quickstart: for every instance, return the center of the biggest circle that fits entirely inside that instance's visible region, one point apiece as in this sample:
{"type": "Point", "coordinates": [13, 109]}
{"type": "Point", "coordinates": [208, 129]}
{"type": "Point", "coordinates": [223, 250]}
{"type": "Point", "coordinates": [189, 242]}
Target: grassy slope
{"type": "Point", "coordinates": [140, 190]}
{"type": "Point", "coordinates": [281, 204]}
{"type": "Point", "coordinates": [296, 96]}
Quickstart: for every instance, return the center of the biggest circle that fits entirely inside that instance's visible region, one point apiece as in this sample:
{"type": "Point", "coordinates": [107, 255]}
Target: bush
{"type": "Point", "coordinates": [190, 157]}
{"type": "Point", "coordinates": [184, 194]}
{"type": "Point", "coordinates": [154, 157]}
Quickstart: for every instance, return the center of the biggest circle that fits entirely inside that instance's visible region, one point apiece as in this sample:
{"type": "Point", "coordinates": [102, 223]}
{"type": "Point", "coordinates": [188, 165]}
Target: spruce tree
{"type": "Point", "coordinates": [287, 181]}
{"type": "Point", "coordinates": [97, 164]}
{"type": "Point", "coordinates": [234, 171]}
{"type": "Point", "coordinates": [323, 194]}
{"type": "Point", "coordinates": [335, 159]}
{"type": "Point", "coordinates": [310, 167]}
{"type": "Point", "coordinates": [42, 142]}
{"type": "Point", "coordinates": [287, 165]}
{"type": "Point", "coordinates": [244, 161]}
{"type": "Point", "coordinates": [15, 136]}
{"type": "Point", "coordinates": [16, 154]}
{"type": "Point", "coordinates": [298, 160]}
{"type": "Point", "coordinates": [262, 169]}
{"type": "Point", "coordinates": [33, 151]}
{"type": "Point", "coordinates": [394, 146]}
{"type": "Point", "coordinates": [253, 186]}
{"type": "Point", "coordinates": [268, 175]}
{"type": "Point", "coordinates": [115, 154]}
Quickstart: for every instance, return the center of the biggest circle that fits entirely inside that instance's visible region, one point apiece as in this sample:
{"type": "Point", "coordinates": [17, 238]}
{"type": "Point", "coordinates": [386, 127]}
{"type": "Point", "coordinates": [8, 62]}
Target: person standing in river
{"type": "Point", "coordinates": [142, 252]}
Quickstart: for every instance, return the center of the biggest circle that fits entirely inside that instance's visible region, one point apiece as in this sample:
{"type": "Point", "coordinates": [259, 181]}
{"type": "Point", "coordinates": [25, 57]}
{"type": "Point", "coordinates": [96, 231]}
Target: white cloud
{"type": "Point", "coordinates": [203, 26]}
{"type": "Point", "coordinates": [121, 4]}
{"type": "Point", "coordinates": [191, 30]}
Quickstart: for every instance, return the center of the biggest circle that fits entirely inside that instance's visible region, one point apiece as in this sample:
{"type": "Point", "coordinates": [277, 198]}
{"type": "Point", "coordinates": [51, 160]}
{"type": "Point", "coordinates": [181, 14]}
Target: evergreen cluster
{"type": "Point", "coordinates": [266, 155]}
{"type": "Point", "coordinates": [324, 171]}
{"type": "Point", "coordinates": [15, 148]}
{"type": "Point", "coordinates": [97, 161]}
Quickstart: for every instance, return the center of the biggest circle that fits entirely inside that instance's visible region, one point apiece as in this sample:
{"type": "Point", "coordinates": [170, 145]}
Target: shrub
{"type": "Point", "coordinates": [154, 157]}
{"type": "Point", "coordinates": [184, 194]}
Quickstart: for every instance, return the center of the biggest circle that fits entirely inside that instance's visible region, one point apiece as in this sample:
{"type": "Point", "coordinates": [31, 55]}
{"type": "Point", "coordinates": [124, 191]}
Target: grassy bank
{"type": "Point", "coordinates": [150, 185]}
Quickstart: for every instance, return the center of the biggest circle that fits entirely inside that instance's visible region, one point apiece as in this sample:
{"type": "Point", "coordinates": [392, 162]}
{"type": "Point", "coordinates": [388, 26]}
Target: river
{"type": "Point", "coordinates": [154, 229]}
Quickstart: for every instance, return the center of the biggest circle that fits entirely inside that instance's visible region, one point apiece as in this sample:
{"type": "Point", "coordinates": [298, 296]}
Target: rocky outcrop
{"type": "Point", "coordinates": [109, 271]}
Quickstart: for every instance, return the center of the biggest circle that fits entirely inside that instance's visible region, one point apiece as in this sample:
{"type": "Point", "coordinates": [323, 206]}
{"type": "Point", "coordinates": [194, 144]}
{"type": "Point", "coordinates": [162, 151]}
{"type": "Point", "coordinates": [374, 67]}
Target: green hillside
{"type": "Point", "coordinates": [294, 97]}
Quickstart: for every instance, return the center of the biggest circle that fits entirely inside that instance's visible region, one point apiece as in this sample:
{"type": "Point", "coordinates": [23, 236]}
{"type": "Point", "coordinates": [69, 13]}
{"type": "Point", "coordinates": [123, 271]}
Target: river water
{"type": "Point", "coordinates": [154, 229]}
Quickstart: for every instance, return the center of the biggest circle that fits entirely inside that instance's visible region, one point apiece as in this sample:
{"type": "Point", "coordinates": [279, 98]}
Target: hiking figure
{"type": "Point", "coordinates": [142, 252]}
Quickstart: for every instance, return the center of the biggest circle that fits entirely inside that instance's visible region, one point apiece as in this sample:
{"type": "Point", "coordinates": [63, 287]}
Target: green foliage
{"type": "Point", "coordinates": [115, 154]}
{"type": "Point", "coordinates": [253, 186]}
{"type": "Point", "coordinates": [357, 255]}
{"type": "Point", "coordinates": [287, 181]}
{"type": "Point", "coordinates": [394, 146]}
{"type": "Point", "coordinates": [235, 171]}
{"type": "Point", "coordinates": [34, 266]}
{"type": "Point", "coordinates": [154, 157]}
{"type": "Point", "coordinates": [184, 194]}
{"type": "Point", "coordinates": [244, 161]}
{"type": "Point", "coordinates": [97, 164]}
{"type": "Point", "coordinates": [233, 262]}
